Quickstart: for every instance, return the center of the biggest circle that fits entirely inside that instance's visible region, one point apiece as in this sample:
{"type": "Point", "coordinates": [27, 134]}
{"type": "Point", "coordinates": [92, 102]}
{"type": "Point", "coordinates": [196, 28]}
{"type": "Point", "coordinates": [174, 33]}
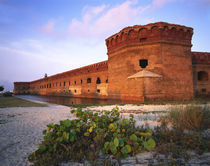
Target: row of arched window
{"type": "Point", "coordinates": [98, 81]}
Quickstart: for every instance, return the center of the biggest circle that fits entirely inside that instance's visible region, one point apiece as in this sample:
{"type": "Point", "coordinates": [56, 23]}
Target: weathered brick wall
{"type": "Point", "coordinates": [201, 73]}
{"type": "Point", "coordinates": [21, 88]}
{"type": "Point", "coordinates": [167, 49]}
{"type": "Point", "coordinates": [74, 83]}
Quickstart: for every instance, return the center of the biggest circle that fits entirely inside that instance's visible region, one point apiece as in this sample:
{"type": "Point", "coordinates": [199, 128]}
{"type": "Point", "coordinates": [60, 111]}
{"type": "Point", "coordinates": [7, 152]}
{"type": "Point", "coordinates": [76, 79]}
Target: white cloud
{"type": "Point", "coordinates": [101, 20]}
{"type": "Point", "coordinates": [104, 20]}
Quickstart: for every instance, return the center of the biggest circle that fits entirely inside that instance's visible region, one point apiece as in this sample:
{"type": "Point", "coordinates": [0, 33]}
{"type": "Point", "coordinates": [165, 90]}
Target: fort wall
{"type": "Point", "coordinates": [167, 50]}
{"type": "Point", "coordinates": [150, 62]}
{"type": "Point", "coordinates": [201, 73]}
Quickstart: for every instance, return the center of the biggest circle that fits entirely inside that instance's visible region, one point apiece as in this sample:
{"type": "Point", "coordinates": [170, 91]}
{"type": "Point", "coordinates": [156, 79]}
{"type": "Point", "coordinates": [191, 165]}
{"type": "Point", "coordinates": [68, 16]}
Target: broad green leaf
{"type": "Point", "coordinates": [67, 123]}
{"type": "Point", "coordinates": [128, 147]}
{"type": "Point", "coordinates": [133, 138]}
{"type": "Point", "coordinates": [151, 143]}
{"type": "Point", "coordinates": [121, 142]}
{"type": "Point", "coordinates": [116, 142]}
{"type": "Point", "coordinates": [114, 150]}
{"type": "Point", "coordinates": [106, 145]}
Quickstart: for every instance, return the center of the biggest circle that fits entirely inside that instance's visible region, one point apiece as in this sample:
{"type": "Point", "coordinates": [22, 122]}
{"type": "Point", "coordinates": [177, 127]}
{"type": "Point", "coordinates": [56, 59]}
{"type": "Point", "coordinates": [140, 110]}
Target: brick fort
{"type": "Point", "coordinates": [145, 63]}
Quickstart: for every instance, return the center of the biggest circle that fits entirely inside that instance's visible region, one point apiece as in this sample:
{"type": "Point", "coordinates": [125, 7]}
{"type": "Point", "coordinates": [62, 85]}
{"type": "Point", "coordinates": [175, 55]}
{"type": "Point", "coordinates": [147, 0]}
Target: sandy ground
{"type": "Point", "coordinates": [21, 127]}
{"type": "Point", "coordinates": [21, 131]}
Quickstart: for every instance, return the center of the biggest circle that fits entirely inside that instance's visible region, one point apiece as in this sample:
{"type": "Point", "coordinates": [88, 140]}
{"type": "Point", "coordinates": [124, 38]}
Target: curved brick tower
{"type": "Point", "coordinates": [151, 62]}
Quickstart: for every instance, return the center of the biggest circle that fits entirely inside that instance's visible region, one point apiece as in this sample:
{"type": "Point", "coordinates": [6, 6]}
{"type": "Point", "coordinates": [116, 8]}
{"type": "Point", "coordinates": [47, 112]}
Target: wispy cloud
{"type": "Point", "coordinates": [160, 3]}
{"type": "Point", "coordinates": [103, 20]}
{"type": "Point", "coordinates": [48, 28]}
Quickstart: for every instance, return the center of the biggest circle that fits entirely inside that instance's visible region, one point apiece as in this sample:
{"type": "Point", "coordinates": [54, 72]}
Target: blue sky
{"type": "Point", "coordinates": [52, 36]}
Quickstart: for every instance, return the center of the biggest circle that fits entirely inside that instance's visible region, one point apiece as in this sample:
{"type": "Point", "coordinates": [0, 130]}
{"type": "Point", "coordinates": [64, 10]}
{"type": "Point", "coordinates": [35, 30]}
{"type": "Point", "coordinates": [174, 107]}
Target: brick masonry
{"type": "Point", "coordinates": [164, 47]}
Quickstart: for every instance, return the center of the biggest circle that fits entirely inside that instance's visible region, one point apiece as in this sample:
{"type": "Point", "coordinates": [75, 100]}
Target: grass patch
{"type": "Point", "coordinates": [17, 102]}
{"type": "Point", "coordinates": [194, 118]}
{"type": "Point", "coordinates": [182, 129]}
{"type": "Point", "coordinates": [194, 101]}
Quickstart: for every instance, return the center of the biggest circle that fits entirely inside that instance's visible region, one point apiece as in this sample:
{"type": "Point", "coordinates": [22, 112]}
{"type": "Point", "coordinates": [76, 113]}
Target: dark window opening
{"type": "Point", "coordinates": [106, 80]}
{"type": "Point", "coordinates": [203, 90]}
{"type": "Point", "coordinates": [64, 83]}
{"type": "Point", "coordinates": [69, 83]}
{"type": "Point", "coordinates": [56, 84]}
{"type": "Point", "coordinates": [81, 81]}
{"type": "Point", "coordinates": [75, 82]}
{"type": "Point", "coordinates": [49, 85]}
{"type": "Point", "coordinates": [60, 83]}
{"type": "Point", "coordinates": [98, 81]}
{"type": "Point", "coordinates": [98, 90]}
{"type": "Point", "coordinates": [88, 90]}
{"type": "Point", "coordinates": [143, 63]}
{"type": "Point", "coordinates": [203, 76]}
{"type": "Point", "coordinates": [75, 91]}
{"type": "Point", "coordinates": [143, 39]}
{"type": "Point", "coordinates": [45, 86]}
{"type": "Point", "coordinates": [89, 80]}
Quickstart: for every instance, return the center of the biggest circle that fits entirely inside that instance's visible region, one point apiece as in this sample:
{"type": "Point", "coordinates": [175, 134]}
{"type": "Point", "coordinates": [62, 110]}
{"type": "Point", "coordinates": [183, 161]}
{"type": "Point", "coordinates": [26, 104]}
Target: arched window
{"type": "Point", "coordinates": [98, 81]}
{"type": "Point", "coordinates": [203, 76]}
{"type": "Point", "coordinates": [89, 80]}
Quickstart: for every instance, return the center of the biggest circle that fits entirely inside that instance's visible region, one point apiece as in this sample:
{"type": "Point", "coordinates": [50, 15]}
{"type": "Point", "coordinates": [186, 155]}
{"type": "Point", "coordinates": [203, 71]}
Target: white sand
{"type": "Point", "coordinates": [21, 131]}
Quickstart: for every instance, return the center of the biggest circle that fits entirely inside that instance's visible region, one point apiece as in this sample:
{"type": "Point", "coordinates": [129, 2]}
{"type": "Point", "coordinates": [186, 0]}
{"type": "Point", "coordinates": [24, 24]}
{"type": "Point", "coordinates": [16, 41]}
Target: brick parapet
{"type": "Point", "coordinates": [150, 33]}
{"type": "Point", "coordinates": [101, 66]}
{"type": "Point", "coordinates": [201, 58]}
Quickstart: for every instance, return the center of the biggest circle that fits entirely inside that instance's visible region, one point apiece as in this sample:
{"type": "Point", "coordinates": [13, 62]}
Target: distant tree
{"type": "Point", "coordinates": [45, 75]}
{"type": "Point", "coordinates": [1, 88]}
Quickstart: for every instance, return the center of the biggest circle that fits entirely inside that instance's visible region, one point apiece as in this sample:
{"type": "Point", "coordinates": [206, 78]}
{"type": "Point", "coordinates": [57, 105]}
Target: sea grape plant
{"type": "Point", "coordinates": [91, 133]}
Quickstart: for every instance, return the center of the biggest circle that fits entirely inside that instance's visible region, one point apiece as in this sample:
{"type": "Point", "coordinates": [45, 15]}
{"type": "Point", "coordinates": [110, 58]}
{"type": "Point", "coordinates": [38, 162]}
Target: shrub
{"type": "Point", "coordinates": [188, 118]}
{"type": "Point", "coordinates": [181, 130]}
{"type": "Point", "coordinates": [7, 94]}
{"type": "Point", "coordinates": [84, 138]}
{"type": "Point", "coordinates": [1, 88]}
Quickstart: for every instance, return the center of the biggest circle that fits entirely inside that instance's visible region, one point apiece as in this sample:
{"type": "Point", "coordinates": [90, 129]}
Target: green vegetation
{"type": "Point", "coordinates": [193, 101]}
{"type": "Point", "coordinates": [1, 88]}
{"type": "Point", "coordinates": [90, 134]}
{"type": "Point", "coordinates": [182, 129]}
{"type": "Point", "coordinates": [193, 118]}
{"type": "Point", "coordinates": [17, 102]}
{"type": "Point", "coordinates": [7, 94]}
{"type": "Point", "coordinates": [93, 134]}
